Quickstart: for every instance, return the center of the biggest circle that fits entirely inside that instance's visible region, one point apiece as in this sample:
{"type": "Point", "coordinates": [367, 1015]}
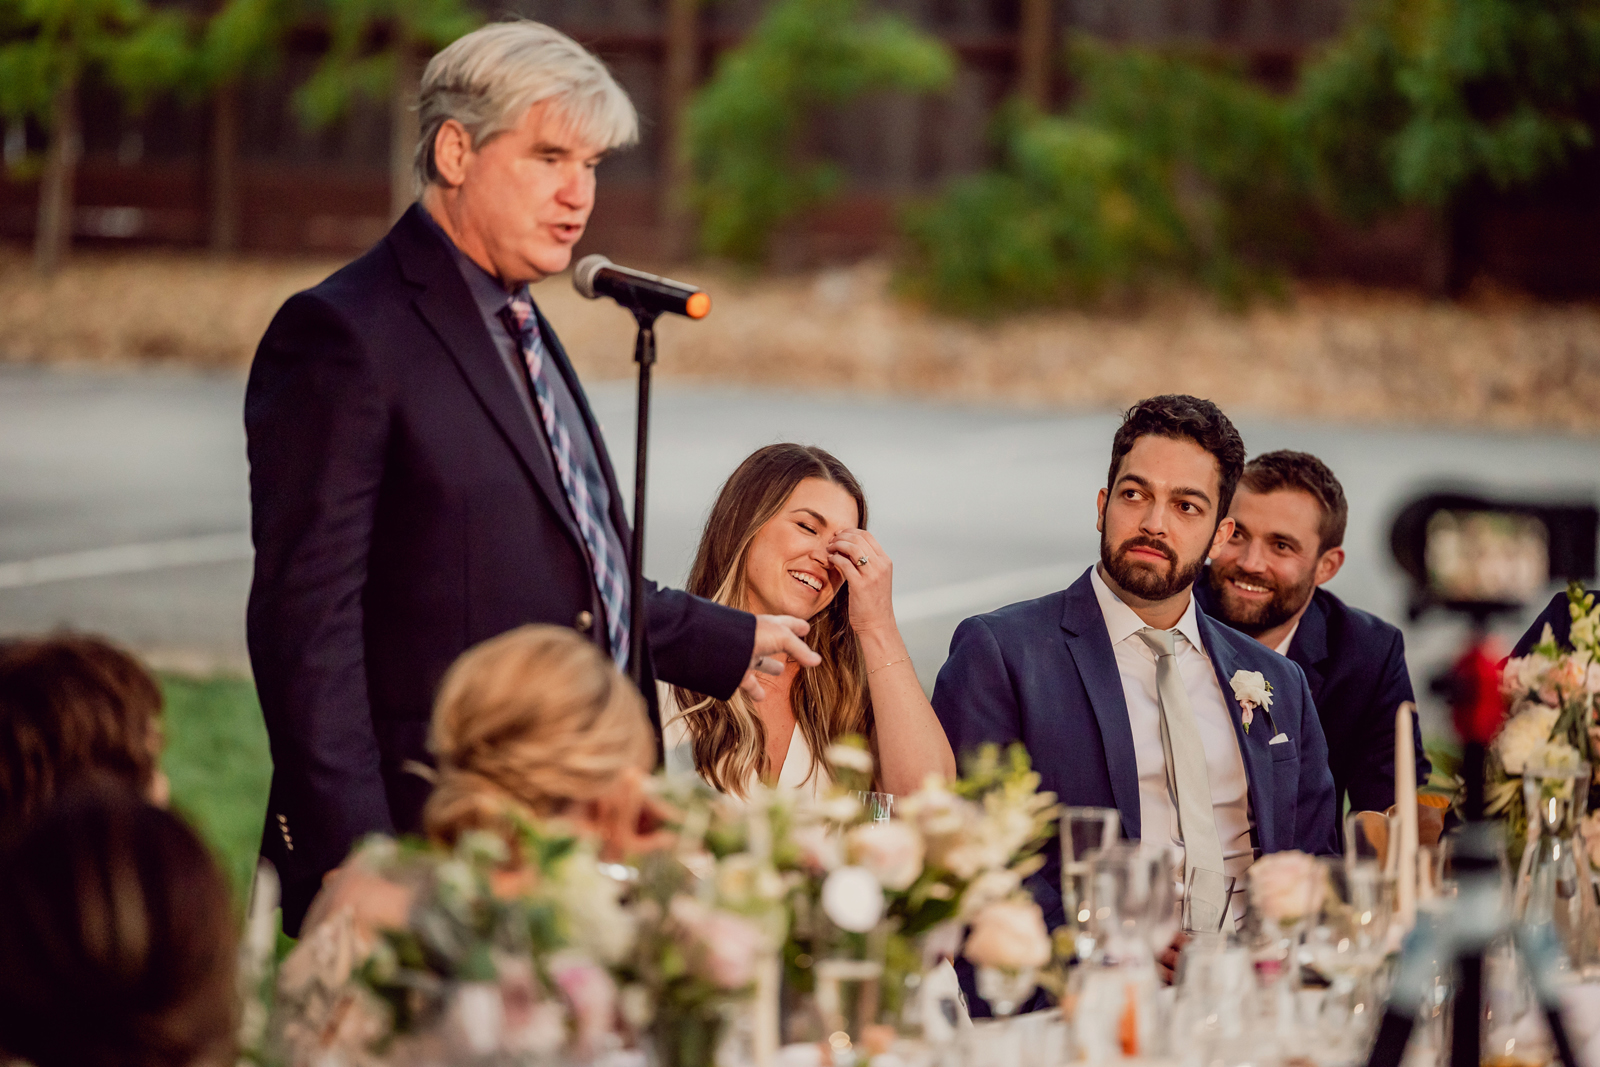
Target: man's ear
{"type": "Point", "coordinates": [1100, 511]}
{"type": "Point", "coordinates": [1223, 535]}
{"type": "Point", "coordinates": [452, 148]}
{"type": "Point", "coordinates": [1328, 565]}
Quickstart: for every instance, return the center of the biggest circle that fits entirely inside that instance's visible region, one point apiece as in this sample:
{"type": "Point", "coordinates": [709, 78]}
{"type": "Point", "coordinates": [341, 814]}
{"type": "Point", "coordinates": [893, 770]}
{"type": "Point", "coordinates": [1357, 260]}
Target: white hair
{"type": "Point", "coordinates": [489, 79]}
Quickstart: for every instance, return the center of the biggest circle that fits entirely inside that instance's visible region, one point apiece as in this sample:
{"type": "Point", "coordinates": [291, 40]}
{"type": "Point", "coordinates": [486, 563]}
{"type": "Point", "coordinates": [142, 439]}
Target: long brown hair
{"type": "Point", "coordinates": [829, 701]}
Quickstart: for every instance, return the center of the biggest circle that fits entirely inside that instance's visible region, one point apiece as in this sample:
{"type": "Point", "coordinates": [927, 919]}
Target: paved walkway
{"type": "Point", "coordinates": [123, 504]}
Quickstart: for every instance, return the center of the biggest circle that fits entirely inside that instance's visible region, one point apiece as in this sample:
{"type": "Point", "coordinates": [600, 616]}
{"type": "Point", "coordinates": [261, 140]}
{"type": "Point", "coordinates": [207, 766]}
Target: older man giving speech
{"type": "Point", "coordinates": [425, 469]}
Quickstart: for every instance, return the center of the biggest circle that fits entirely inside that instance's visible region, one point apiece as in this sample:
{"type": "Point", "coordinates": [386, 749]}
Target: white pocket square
{"type": "Point", "coordinates": [1281, 739]}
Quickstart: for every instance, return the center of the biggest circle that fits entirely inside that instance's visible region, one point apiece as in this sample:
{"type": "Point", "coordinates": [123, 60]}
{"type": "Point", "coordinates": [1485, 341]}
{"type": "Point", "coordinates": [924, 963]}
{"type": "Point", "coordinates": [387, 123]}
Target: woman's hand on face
{"type": "Point", "coordinates": [870, 574]}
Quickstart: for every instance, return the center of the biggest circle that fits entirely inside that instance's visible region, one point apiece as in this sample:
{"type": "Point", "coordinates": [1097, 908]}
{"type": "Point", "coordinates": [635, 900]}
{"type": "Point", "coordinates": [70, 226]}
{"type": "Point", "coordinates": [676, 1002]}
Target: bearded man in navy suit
{"type": "Point", "coordinates": [1127, 696]}
{"type": "Point", "coordinates": [1267, 581]}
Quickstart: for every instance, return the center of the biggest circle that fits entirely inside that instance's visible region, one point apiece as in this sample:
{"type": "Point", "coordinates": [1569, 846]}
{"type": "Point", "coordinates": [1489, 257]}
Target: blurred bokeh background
{"type": "Point", "coordinates": [947, 239]}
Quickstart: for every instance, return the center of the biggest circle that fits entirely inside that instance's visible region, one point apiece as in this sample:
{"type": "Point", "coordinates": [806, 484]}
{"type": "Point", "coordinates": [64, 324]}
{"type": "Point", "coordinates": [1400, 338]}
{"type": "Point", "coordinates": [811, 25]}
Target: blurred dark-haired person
{"type": "Point", "coordinates": [117, 948]}
{"type": "Point", "coordinates": [1127, 696]}
{"type": "Point", "coordinates": [1558, 616]}
{"type": "Point", "coordinates": [1267, 579]}
{"type": "Point", "coordinates": [72, 706]}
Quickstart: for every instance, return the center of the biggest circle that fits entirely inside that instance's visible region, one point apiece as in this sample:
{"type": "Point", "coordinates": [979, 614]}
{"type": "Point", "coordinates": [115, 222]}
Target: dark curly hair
{"type": "Point", "coordinates": [1272, 471]}
{"type": "Point", "coordinates": [117, 948]}
{"type": "Point", "coordinates": [1185, 418]}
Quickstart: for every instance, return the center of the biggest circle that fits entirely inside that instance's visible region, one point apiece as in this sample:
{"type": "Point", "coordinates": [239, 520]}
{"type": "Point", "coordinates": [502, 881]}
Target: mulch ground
{"type": "Point", "coordinates": [1329, 353]}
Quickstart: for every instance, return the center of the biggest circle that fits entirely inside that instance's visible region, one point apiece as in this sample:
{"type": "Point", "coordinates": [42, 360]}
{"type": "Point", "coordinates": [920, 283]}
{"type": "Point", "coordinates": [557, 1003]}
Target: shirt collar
{"type": "Point", "coordinates": [1288, 639]}
{"type": "Point", "coordinates": [1122, 623]}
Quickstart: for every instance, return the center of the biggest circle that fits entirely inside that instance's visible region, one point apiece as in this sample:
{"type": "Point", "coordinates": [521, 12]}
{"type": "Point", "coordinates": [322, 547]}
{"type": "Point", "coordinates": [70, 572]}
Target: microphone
{"type": "Point", "coordinates": [596, 276]}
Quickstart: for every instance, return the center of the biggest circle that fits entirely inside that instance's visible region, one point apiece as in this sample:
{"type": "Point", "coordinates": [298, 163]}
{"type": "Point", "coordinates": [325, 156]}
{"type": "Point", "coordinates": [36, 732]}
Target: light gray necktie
{"type": "Point", "coordinates": [1187, 780]}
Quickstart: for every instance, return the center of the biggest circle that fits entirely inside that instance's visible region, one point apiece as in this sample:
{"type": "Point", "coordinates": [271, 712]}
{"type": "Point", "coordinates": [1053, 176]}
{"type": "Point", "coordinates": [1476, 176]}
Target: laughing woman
{"type": "Point", "coordinates": [787, 536]}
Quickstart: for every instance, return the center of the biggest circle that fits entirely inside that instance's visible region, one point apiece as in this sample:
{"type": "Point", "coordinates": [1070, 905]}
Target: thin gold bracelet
{"type": "Point", "coordinates": [891, 663]}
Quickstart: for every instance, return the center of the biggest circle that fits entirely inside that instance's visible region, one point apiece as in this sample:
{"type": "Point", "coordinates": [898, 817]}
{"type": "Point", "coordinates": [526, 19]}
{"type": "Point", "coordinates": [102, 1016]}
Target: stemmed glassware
{"type": "Point", "coordinates": [1346, 942]}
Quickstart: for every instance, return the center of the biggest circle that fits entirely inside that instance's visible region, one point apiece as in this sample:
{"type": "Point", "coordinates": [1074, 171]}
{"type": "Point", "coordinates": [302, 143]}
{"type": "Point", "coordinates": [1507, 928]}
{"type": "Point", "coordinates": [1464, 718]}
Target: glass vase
{"type": "Point", "coordinates": [1554, 885]}
{"type": "Point", "coordinates": [685, 1038]}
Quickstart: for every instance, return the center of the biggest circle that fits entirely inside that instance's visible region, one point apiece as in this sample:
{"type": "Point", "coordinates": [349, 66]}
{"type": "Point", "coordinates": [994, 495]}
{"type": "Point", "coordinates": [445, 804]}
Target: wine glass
{"type": "Point", "coordinates": [1346, 943]}
{"type": "Point", "coordinates": [1366, 839]}
{"type": "Point", "coordinates": [878, 806]}
{"type": "Point", "coordinates": [1084, 831]}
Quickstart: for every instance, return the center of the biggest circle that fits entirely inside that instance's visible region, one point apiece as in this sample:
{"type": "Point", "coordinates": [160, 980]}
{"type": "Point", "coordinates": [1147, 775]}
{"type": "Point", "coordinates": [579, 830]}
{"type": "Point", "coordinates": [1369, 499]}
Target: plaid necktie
{"type": "Point", "coordinates": [605, 559]}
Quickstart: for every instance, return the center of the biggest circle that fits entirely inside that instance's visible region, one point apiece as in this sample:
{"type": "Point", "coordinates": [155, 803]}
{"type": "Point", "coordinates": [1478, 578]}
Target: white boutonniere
{"type": "Point", "coordinates": [1252, 690]}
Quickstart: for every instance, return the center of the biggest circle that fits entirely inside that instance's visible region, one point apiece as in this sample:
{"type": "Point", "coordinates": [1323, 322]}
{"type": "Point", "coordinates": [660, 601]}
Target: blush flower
{"type": "Point", "coordinates": [1009, 935]}
{"type": "Point", "coordinates": [892, 851]}
{"type": "Point", "coordinates": [1286, 887]}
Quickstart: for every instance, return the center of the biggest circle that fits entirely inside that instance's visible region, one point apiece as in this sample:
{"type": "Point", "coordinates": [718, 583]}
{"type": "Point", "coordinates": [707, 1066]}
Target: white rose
{"type": "Point", "coordinates": [892, 851]}
{"type": "Point", "coordinates": [853, 899]}
{"type": "Point", "coordinates": [849, 757]}
{"type": "Point", "coordinates": [1525, 731]}
{"type": "Point", "coordinates": [1285, 887]}
{"type": "Point", "coordinates": [1010, 935]}
{"type": "Point", "coordinates": [987, 888]}
{"type": "Point", "coordinates": [1553, 758]}
{"type": "Point", "coordinates": [1251, 687]}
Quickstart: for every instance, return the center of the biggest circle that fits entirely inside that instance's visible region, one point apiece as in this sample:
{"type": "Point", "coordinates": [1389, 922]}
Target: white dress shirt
{"type": "Point", "coordinates": [679, 750]}
{"type": "Point", "coordinates": [1230, 789]}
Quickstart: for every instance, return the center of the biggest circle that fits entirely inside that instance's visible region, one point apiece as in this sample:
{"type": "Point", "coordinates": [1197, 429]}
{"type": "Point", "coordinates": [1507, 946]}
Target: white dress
{"type": "Point", "coordinates": [679, 754]}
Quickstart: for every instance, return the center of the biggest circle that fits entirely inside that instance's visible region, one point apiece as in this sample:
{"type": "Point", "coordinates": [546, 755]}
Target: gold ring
{"type": "Point", "coordinates": [861, 562]}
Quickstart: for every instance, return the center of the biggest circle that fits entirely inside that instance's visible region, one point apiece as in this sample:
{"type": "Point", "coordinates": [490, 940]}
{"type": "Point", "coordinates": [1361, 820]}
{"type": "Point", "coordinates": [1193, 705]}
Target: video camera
{"type": "Point", "coordinates": [1483, 557]}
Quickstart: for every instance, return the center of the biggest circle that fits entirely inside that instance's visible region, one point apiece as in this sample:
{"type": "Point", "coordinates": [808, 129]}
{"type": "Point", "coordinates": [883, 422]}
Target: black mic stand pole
{"type": "Point", "coordinates": [644, 354]}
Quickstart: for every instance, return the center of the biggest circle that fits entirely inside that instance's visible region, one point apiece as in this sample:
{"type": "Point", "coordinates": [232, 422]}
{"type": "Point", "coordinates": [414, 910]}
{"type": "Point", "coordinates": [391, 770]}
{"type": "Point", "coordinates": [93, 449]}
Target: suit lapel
{"type": "Point", "coordinates": [446, 304]}
{"type": "Point", "coordinates": [1090, 647]}
{"type": "Point", "coordinates": [1310, 645]}
{"type": "Point", "coordinates": [1254, 745]}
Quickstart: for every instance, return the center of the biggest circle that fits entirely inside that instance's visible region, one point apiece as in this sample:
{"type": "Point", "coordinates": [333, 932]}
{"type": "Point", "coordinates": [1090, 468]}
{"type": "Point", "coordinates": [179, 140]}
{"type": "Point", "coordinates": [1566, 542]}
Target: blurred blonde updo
{"type": "Point", "coordinates": [532, 721]}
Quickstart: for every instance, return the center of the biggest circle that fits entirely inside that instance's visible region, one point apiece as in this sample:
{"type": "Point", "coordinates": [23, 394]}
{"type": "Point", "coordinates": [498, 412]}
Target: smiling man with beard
{"type": "Point", "coordinates": [1125, 694]}
{"type": "Point", "coordinates": [1267, 581]}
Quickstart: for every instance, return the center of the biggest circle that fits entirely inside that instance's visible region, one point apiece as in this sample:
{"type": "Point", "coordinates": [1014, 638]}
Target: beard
{"type": "Point", "coordinates": [1148, 581]}
{"type": "Point", "coordinates": [1256, 619]}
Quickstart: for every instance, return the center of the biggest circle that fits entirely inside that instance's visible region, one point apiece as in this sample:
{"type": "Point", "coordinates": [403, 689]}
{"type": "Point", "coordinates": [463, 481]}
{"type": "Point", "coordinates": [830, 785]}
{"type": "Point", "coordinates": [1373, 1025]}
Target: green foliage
{"type": "Point", "coordinates": [52, 44]}
{"type": "Point", "coordinates": [350, 69]}
{"type": "Point", "coordinates": [243, 37]}
{"type": "Point", "coordinates": [1165, 166]}
{"type": "Point", "coordinates": [1421, 99]}
{"type": "Point", "coordinates": [743, 129]}
{"type": "Point", "coordinates": [217, 759]}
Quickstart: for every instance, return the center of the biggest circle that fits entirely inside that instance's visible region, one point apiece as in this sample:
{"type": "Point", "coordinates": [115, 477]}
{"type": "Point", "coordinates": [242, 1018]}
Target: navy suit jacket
{"type": "Point", "coordinates": [1558, 614]}
{"type": "Point", "coordinates": [404, 508]}
{"type": "Point", "coordinates": [1355, 664]}
{"type": "Point", "coordinates": [1043, 672]}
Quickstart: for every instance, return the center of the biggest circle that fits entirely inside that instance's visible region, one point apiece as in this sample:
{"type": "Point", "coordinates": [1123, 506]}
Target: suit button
{"type": "Point", "coordinates": [584, 620]}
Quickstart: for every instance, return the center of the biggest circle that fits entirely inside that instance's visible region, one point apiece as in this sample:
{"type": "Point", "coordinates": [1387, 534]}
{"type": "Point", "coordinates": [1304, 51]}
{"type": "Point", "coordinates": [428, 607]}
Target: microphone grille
{"type": "Point", "coordinates": [583, 274]}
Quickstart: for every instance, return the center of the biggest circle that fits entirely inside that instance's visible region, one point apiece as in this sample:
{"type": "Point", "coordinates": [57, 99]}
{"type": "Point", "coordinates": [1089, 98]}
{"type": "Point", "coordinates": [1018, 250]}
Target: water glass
{"type": "Point", "coordinates": [1207, 901]}
{"type": "Point", "coordinates": [1084, 831]}
{"type": "Point", "coordinates": [878, 806]}
{"type": "Point", "coordinates": [1366, 839]}
{"type": "Point", "coordinates": [1131, 901]}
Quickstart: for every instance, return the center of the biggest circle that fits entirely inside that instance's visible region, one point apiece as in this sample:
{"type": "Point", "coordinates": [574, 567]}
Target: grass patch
{"type": "Point", "coordinates": [220, 767]}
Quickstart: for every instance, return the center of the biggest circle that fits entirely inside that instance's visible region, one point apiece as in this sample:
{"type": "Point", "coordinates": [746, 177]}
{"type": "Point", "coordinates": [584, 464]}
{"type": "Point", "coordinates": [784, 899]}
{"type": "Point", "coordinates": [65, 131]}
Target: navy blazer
{"type": "Point", "coordinates": [1043, 672]}
{"type": "Point", "coordinates": [404, 508]}
{"type": "Point", "coordinates": [1558, 616]}
{"type": "Point", "coordinates": [1355, 664]}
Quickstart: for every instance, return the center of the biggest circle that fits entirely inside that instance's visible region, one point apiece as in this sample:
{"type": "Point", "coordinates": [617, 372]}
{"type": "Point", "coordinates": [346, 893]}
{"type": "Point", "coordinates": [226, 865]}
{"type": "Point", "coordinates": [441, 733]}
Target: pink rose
{"type": "Point", "coordinates": [892, 851]}
{"type": "Point", "coordinates": [722, 947]}
{"type": "Point", "coordinates": [590, 993]}
{"type": "Point", "coordinates": [1010, 935]}
{"type": "Point", "coordinates": [1285, 887]}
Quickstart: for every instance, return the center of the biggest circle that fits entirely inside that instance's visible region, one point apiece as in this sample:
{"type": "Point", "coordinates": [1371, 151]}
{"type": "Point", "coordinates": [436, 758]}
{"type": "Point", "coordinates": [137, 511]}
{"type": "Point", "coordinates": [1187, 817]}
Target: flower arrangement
{"type": "Point", "coordinates": [899, 892]}
{"type": "Point", "coordinates": [1550, 726]}
{"type": "Point", "coordinates": [458, 955]}
{"type": "Point", "coordinates": [711, 917]}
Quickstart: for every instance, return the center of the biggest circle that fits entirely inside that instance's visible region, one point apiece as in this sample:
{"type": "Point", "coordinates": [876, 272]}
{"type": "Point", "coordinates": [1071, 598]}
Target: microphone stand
{"type": "Point", "coordinates": [644, 354]}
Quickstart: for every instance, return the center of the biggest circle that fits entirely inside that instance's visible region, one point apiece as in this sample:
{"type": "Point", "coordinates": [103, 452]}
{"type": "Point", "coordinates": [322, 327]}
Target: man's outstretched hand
{"type": "Point", "coordinates": [778, 638]}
